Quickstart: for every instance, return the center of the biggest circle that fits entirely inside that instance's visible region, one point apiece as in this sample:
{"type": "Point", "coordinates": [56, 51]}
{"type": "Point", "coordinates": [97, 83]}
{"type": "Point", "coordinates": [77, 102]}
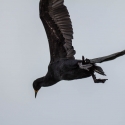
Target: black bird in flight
{"type": "Point", "coordinates": [63, 65]}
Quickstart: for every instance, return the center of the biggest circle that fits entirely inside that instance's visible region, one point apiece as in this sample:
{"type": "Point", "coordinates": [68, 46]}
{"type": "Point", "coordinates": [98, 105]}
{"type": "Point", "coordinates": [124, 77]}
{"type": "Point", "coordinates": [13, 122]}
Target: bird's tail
{"type": "Point", "coordinates": [99, 70]}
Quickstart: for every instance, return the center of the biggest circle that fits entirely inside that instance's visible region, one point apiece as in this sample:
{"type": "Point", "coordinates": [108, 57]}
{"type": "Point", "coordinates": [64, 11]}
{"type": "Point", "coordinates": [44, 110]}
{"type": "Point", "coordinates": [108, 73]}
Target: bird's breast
{"type": "Point", "coordinates": [68, 70]}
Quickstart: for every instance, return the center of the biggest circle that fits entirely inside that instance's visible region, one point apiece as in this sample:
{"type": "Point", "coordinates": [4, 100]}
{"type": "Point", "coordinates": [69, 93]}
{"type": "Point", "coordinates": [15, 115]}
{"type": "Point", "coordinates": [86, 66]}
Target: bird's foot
{"type": "Point", "coordinates": [85, 61]}
{"type": "Point", "coordinates": [98, 80]}
{"type": "Point", "coordinates": [84, 66]}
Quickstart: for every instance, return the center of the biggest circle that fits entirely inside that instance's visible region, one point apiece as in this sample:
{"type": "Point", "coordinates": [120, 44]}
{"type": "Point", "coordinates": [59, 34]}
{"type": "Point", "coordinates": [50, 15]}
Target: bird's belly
{"type": "Point", "coordinates": [75, 74]}
{"type": "Point", "coordinates": [68, 70]}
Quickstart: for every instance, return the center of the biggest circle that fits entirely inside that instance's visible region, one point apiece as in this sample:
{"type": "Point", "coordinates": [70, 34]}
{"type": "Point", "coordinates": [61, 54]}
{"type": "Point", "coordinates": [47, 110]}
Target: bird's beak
{"type": "Point", "coordinates": [35, 93]}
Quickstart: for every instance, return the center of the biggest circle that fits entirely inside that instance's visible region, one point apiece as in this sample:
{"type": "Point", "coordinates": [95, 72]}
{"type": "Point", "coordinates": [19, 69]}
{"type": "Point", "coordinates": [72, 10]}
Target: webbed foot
{"type": "Point", "coordinates": [98, 80]}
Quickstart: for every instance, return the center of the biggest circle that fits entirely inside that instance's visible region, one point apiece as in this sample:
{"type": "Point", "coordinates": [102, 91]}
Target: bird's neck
{"type": "Point", "coordinates": [49, 81]}
{"type": "Point", "coordinates": [40, 81]}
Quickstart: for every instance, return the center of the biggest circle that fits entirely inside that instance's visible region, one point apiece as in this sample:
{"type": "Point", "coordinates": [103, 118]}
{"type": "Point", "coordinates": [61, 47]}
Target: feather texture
{"type": "Point", "coordinates": [107, 58]}
{"type": "Point", "coordinates": [58, 26]}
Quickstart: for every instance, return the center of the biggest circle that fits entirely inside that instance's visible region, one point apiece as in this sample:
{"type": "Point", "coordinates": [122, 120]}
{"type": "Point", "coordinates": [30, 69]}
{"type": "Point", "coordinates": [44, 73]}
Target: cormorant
{"type": "Point", "coordinates": [63, 65]}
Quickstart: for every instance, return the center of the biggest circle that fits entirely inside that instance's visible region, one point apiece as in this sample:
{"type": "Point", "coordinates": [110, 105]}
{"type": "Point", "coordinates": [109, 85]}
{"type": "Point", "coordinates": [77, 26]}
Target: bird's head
{"type": "Point", "coordinates": [37, 84]}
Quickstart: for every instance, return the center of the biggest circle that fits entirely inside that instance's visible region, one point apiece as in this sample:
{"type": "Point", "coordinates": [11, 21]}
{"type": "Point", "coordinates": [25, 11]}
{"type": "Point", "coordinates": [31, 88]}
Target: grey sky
{"type": "Point", "coordinates": [99, 30]}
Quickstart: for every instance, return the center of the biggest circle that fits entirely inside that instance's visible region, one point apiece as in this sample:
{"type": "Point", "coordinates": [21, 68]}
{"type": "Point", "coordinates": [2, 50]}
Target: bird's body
{"type": "Point", "coordinates": [65, 69]}
{"type": "Point", "coordinates": [63, 65]}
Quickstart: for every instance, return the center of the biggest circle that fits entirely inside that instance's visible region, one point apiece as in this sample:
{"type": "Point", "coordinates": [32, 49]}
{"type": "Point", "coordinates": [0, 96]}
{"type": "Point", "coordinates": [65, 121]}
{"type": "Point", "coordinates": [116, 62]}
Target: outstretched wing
{"type": "Point", "coordinates": [107, 58]}
{"type": "Point", "coordinates": [58, 26]}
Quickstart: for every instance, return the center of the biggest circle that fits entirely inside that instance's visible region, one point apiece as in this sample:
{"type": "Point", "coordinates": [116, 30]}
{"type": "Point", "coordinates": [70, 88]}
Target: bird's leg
{"type": "Point", "coordinates": [83, 65]}
{"type": "Point", "coordinates": [83, 60]}
{"type": "Point", "coordinates": [98, 80]}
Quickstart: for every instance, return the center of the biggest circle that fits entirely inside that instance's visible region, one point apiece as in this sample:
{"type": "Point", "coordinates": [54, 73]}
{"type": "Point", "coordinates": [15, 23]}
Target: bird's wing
{"type": "Point", "coordinates": [107, 58]}
{"type": "Point", "coordinates": [58, 26]}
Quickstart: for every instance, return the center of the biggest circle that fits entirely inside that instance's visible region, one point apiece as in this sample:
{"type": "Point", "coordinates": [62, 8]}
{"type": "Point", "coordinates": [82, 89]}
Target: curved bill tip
{"type": "Point", "coordinates": [36, 93]}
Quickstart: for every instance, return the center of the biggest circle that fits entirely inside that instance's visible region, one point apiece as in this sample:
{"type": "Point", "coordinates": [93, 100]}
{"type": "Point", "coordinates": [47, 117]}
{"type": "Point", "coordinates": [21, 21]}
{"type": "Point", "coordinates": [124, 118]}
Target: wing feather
{"type": "Point", "coordinates": [58, 26]}
{"type": "Point", "coordinates": [107, 58]}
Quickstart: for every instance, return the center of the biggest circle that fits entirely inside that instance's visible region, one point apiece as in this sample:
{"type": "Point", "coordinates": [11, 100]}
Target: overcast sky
{"type": "Point", "coordinates": [99, 30]}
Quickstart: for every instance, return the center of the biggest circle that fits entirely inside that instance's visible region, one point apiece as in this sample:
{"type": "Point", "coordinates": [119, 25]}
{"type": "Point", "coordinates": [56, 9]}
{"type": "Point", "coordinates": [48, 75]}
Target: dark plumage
{"type": "Point", "coordinates": [63, 66]}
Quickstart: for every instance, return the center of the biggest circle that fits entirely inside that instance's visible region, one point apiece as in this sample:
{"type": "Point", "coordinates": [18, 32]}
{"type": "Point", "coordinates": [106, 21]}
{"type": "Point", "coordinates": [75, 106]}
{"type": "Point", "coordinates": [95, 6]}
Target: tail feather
{"type": "Point", "coordinates": [99, 70]}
